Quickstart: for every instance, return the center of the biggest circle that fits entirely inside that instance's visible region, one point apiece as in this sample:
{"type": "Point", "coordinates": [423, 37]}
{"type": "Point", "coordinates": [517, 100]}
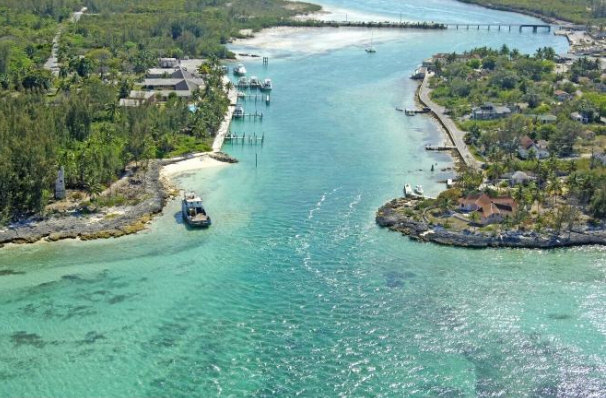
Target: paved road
{"type": "Point", "coordinates": [52, 63]}
{"type": "Point", "coordinates": [453, 131]}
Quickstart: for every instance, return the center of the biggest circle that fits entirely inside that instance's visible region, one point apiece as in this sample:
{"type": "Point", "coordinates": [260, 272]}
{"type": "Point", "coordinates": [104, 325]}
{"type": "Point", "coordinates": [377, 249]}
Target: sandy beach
{"type": "Point", "coordinates": [196, 161]}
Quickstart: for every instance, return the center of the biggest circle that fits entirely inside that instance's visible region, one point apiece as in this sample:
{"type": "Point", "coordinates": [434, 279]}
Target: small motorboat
{"type": "Point", "coordinates": [243, 82]}
{"type": "Point", "coordinates": [419, 190]}
{"type": "Point", "coordinates": [254, 82]}
{"type": "Point", "coordinates": [240, 70]}
{"type": "Point", "coordinates": [266, 85]}
{"type": "Point", "coordinates": [238, 112]}
{"type": "Point", "coordinates": [407, 190]}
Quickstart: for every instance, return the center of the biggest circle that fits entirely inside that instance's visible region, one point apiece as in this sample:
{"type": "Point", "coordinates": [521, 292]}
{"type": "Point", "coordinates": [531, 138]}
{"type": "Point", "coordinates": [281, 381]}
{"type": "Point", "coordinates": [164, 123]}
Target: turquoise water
{"type": "Point", "coordinates": [294, 291]}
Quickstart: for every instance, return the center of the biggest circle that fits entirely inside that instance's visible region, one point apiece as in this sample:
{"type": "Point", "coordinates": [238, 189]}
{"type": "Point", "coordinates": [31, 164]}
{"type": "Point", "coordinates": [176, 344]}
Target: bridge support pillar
{"type": "Point", "coordinates": [489, 28]}
{"type": "Point", "coordinates": [478, 27]}
{"type": "Point", "coordinates": [534, 29]}
{"type": "Point", "coordinates": [510, 28]}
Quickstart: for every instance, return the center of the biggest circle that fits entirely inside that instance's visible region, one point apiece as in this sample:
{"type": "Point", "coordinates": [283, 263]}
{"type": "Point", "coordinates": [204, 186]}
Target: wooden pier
{"type": "Point", "coordinates": [440, 147]}
{"type": "Point", "coordinates": [412, 112]}
{"type": "Point", "coordinates": [253, 139]}
{"type": "Point", "coordinates": [256, 115]}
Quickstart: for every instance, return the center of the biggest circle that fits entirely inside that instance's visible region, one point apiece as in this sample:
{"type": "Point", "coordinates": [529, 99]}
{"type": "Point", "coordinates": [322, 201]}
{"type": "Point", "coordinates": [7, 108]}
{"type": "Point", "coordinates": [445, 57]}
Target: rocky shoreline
{"type": "Point", "coordinates": [390, 216]}
{"type": "Point", "coordinates": [105, 223]}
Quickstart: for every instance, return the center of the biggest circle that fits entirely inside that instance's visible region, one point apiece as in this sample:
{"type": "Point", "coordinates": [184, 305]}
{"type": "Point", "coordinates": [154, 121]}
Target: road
{"type": "Point", "coordinates": [453, 131]}
{"type": "Point", "coordinates": [52, 63]}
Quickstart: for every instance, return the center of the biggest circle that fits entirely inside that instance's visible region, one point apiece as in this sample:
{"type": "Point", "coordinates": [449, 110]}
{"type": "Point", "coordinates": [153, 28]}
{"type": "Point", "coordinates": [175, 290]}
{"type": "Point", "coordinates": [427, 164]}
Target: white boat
{"type": "Point", "coordinates": [254, 82]}
{"type": "Point", "coordinates": [193, 212]}
{"type": "Point", "coordinates": [238, 112]}
{"type": "Point", "coordinates": [240, 70]}
{"type": "Point", "coordinates": [267, 85]}
{"type": "Point", "coordinates": [449, 183]}
{"type": "Point", "coordinates": [241, 94]}
{"type": "Point", "coordinates": [243, 82]}
{"type": "Point", "coordinates": [407, 190]}
{"type": "Point", "coordinates": [419, 190]}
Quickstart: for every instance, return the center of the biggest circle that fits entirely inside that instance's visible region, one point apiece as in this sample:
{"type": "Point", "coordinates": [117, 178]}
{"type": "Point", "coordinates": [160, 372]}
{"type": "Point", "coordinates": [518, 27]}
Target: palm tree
{"type": "Point", "coordinates": [111, 108]}
{"type": "Point", "coordinates": [554, 187]}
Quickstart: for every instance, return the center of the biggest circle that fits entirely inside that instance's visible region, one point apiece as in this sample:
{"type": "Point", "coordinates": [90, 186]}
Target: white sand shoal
{"type": "Point", "coordinates": [306, 40]}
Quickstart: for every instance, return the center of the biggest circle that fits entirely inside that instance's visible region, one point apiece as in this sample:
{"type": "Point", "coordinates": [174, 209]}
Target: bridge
{"type": "Point", "coordinates": [422, 25]}
{"type": "Point", "coordinates": [535, 27]}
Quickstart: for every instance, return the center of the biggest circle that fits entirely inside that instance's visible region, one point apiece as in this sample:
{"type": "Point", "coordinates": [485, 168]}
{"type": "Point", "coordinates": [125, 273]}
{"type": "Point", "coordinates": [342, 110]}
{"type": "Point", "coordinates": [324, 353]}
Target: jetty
{"type": "Point", "coordinates": [456, 135]}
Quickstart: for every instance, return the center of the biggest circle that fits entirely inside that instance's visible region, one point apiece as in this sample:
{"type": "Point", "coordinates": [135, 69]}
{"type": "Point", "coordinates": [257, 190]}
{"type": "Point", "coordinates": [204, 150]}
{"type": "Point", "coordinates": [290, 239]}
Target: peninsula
{"type": "Point", "coordinates": [529, 131]}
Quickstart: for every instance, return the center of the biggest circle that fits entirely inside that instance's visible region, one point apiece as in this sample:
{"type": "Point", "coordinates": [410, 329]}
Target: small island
{"type": "Point", "coordinates": [530, 134]}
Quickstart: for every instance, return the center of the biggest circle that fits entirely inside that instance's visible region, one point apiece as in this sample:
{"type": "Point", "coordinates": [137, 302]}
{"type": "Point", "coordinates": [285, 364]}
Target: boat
{"type": "Point", "coordinates": [419, 190]}
{"type": "Point", "coordinates": [371, 49]}
{"type": "Point", "coordinates": [267, 85]}
{"type": "Point", "coordinates": [407, 190]}
{"type": "Point", "coordinates": [238, 112]}
{"type": "Point", "coordinates": [224, 69]}
{"type": "Point", "coordinates": [399, 109]}
{"type": "Point", "coordinates": [241, 94]}
{"type": "Point", "coordinates": [254, 82]}
{"type": "Point", "coordinates": [243, 82]}
{"type": "Point", "coordinates": [193, 212]}
{"type": "Point", "coordinates": [419, 73]}
{"type": "Point", "coordinates": [240, 70]}
{"type": "Point", "coordinates": [449, 183]}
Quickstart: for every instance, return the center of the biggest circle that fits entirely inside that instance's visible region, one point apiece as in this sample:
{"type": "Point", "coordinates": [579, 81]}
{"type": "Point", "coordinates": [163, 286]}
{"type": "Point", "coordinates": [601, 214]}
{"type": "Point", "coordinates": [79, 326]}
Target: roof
{"type": "Point", "coordinates": [526, 142]}
{"type": "Point", "coordinates": [547, 118]}
{"type": "Point", "coordinates": [488, 206]}
{"type": "Point", "coordinates": [520, 175]}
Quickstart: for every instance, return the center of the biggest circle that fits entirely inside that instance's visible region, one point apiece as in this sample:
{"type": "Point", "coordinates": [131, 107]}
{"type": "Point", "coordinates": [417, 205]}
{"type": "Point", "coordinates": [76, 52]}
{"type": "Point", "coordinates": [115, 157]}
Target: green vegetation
{"type": "Point", "coordinates": [130, 35]}
{"type": "Point", "coordinates": [27, 29]}
{"type": "Point", "coordinates": [578, 11]}
{"type": "Point", "coordinates": [75, 121]}
{"type": "Point", "coordinates": [521, 115]}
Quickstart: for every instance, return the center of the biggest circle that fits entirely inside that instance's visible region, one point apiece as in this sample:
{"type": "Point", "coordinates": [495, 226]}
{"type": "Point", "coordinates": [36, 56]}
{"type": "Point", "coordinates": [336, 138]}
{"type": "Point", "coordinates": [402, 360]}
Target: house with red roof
{"type": "Point", "coordinates": [491, 210]}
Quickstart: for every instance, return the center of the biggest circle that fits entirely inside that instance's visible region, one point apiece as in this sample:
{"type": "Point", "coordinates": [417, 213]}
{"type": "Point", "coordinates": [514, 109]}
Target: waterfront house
{"type": "Point", "coordinates": [177, 80]}
{"type": "Point", "coordinates": [489, 111]}
{"type": "Point", "coordinates": [562, 96]}
{"type": "Point", "coordinates": [490, 210]}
